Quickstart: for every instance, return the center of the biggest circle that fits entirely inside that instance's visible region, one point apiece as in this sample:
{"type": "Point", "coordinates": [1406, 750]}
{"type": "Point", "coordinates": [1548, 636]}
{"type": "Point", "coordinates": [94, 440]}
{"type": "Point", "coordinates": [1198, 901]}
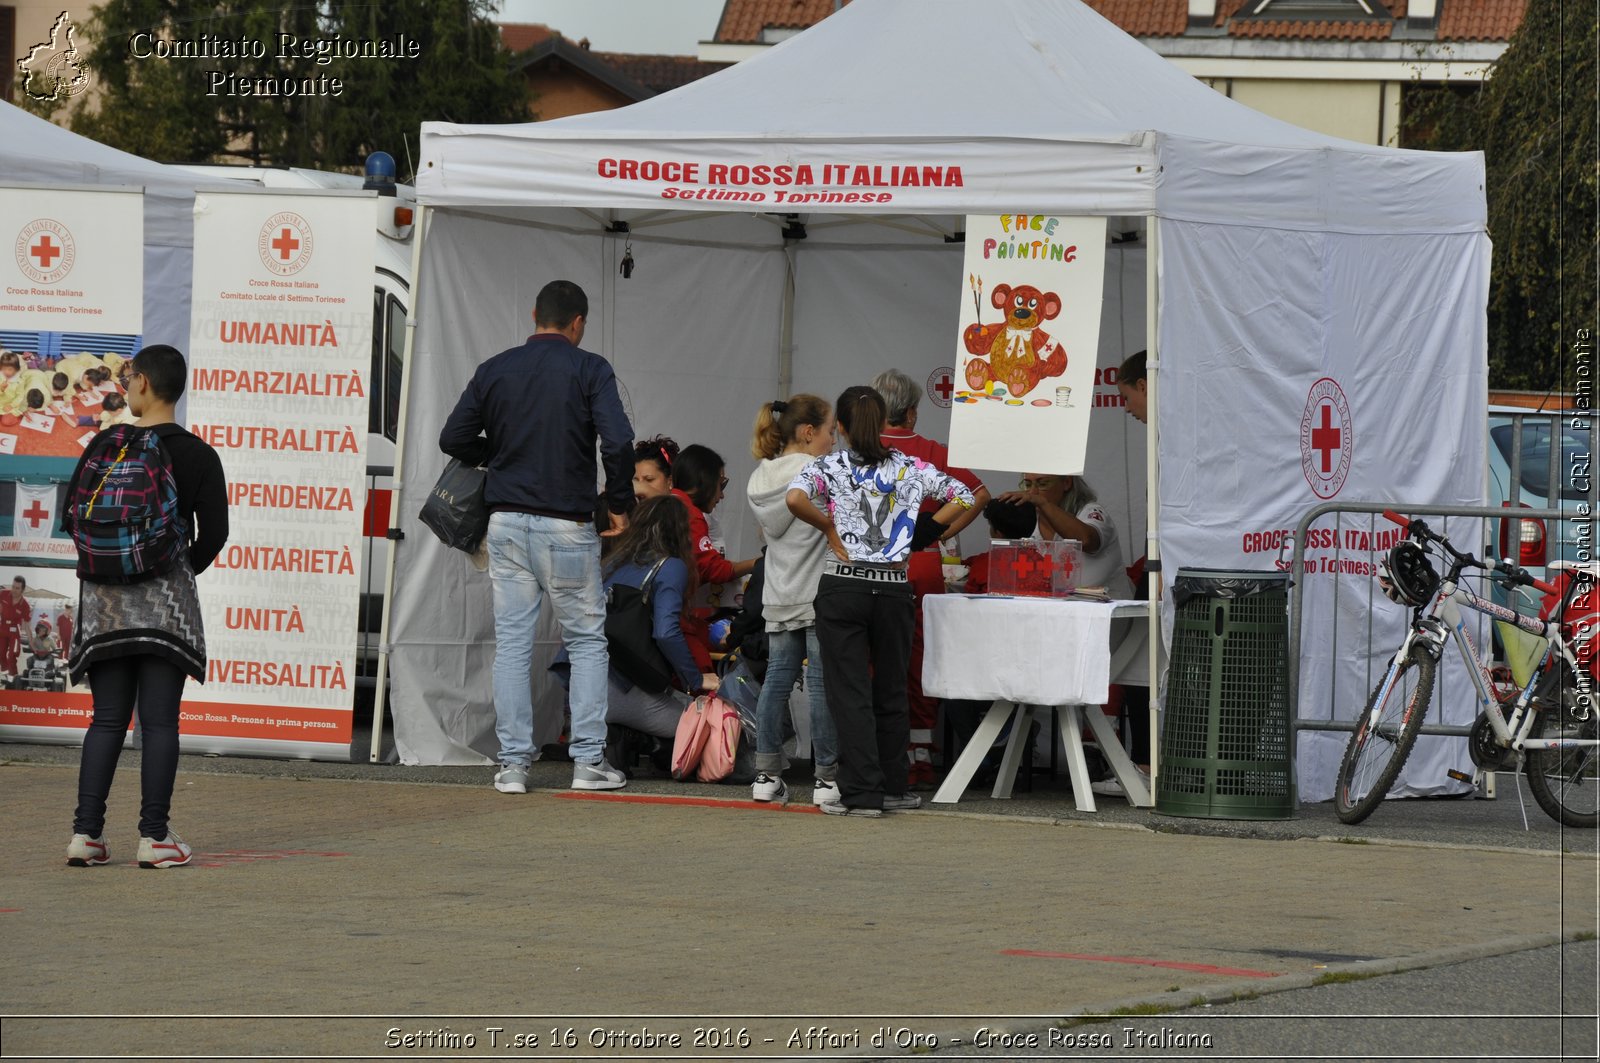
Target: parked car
{"type": "Point", "coordinates": [1532, 542]}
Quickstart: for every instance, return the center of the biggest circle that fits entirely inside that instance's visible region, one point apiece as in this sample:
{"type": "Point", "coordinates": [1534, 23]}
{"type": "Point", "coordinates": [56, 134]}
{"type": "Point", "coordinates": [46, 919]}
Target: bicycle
{"type": "Point", "coordinates": [1551, 732]}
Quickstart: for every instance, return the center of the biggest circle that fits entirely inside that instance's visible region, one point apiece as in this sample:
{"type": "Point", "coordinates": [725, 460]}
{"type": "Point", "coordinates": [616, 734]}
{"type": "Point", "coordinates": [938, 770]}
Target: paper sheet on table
{"type": "Point", "coordinates": [1036, 651]}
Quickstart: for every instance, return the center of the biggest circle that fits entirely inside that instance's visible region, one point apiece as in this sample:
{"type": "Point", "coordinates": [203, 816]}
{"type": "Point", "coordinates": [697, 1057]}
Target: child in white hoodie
{"type": "Point", "coordinates": [788, 435]}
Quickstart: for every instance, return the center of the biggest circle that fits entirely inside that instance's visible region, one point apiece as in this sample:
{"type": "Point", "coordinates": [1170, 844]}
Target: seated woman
{"type": "Point", "coordinates": [1067, 509]}
{"type": "Point", "coordinates": [658, 531]}
{"type": "Point", "coordinates": [699, 478]}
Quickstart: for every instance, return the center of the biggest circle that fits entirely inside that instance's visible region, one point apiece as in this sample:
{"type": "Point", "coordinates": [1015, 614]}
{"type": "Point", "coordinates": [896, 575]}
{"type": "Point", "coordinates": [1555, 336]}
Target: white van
{"type": "Point", "coordinates": [391, 296]}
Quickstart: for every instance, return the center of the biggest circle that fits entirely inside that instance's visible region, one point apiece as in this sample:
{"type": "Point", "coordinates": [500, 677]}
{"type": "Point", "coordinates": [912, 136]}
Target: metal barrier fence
{"type": "Point", "coordinates": [1491, 516]}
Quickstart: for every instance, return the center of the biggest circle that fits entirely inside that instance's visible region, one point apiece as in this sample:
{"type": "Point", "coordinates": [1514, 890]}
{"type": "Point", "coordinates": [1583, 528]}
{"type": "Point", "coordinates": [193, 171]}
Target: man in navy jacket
{"type": "Point", "coordinates": [531, 415]}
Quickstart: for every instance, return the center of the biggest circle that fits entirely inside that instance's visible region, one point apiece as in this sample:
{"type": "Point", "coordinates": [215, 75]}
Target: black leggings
{"type": "Point", "coordinates": [155, 685]}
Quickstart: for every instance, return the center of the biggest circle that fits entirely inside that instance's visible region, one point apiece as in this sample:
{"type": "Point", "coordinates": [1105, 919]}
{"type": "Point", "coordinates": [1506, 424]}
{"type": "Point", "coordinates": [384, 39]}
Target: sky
{"type": "Point", "coordinates": [661, 27]}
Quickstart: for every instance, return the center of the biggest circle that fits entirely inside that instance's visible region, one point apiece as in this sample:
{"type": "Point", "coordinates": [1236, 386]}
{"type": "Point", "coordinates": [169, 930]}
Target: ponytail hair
{"type": "Point", "coordinates": [778, 423]}
{"type": "Point", "coordinates": [863, 416]}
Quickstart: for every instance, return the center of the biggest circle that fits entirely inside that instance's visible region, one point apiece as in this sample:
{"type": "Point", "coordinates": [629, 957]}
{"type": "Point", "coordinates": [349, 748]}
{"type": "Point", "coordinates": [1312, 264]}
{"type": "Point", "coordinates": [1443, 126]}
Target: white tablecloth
{"type": "Point", "coordinates": [1032, 651]}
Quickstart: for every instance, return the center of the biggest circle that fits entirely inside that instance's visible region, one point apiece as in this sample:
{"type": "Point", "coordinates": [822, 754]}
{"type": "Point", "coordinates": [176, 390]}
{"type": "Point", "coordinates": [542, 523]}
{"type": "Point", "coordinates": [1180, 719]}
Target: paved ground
{"type": "Point", "coordinates": [416, 904]}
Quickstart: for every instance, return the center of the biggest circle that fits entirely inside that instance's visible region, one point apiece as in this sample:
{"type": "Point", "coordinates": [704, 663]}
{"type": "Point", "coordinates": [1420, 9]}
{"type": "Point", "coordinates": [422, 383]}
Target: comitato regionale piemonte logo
{"type": "Point", "coordinates": [53, 70]}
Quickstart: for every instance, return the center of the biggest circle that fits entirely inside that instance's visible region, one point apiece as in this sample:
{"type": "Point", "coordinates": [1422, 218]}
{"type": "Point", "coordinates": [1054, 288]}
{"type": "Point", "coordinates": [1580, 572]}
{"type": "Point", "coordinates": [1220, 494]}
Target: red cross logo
{"type": "Point", "coordinates": [45, 251]}
{"type": "Point", "coordinates": [36, 514]}
{"type": "Point", "coordinates": [1325, 438]}
{"type": "Point", "coordinates": [285, 243]}
{"type": "Point", "coordinates": [941, 385]}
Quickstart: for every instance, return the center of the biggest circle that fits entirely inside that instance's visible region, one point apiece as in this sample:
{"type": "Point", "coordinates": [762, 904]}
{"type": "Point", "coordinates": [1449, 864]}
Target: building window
{"type": "Point", "coordinates": [1318, 10]}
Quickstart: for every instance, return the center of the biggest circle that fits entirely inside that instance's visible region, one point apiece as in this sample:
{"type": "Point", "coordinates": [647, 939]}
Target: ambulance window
{"type": "Point", "coordinates": [388, 348]}
{"type": "Point", "coordinates": [392, 368]}
{"type": "Point", "coordinates": [380, 343]}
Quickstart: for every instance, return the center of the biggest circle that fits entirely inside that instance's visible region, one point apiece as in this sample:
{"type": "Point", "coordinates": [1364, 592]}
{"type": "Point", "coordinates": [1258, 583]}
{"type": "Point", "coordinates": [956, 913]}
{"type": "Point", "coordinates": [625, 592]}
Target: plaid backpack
{"type": "Point", "coordinates": [123, 514]}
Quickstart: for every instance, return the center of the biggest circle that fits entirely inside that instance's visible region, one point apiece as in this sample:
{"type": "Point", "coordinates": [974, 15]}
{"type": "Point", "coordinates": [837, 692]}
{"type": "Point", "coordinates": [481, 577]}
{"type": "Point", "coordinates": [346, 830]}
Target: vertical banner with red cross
{"type": "Point", "coordinates": [71, 313]}
{"type": "Point", "coordinates": [280, 350]}
{"type": "Point", "coordinates": [1030, 330]}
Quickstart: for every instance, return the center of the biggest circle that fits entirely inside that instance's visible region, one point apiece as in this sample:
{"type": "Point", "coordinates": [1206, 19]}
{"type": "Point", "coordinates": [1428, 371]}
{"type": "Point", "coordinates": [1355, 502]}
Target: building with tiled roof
{"type": "Point", "coordinates": [567, 77]}
{"type": "Point", "coordinates": [1342, 67]}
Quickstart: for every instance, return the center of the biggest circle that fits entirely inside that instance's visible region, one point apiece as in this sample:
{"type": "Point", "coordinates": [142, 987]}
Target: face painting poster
{"type": "Point", "coordinates": [1030, 332]}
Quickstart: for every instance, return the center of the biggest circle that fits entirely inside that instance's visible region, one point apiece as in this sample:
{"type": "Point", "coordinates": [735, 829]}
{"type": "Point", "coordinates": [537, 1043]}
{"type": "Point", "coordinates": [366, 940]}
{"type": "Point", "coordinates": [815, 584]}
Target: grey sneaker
{"type": "Point", "coordinates": [511, 779]}
{"type": "Point", "coordinates": [833, 808]}
{"type": "Point", "coordinates": [901, 802]}
{"type": "Point", "coordinates": [597, 776]}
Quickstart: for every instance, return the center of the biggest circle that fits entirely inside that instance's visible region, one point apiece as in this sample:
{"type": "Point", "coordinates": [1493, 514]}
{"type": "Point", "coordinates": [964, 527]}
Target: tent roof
{"type": "Point", "coordinates": [1043, 105]}
{"type": "Point", "coordinates": [40, 152]}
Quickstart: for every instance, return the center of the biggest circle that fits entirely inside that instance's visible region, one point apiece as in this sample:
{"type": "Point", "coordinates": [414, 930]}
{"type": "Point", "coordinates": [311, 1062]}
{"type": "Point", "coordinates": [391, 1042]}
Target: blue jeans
{"type": "Point", "coordinates": [531, 557]}
{"type": "Point", "coordinates": [785, 652]}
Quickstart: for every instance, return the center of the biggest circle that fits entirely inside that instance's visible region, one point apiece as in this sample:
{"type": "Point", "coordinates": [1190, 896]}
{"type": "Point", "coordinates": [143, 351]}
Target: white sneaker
{"type": "Point", "coordinates": [84, 851]}
{"type": "Point", "coordinates": [825, 792]}
{"type": "Point", "coordinates": [1112, 787]}
{"type": "Point", "coordinates": [164, 852]}
{"type": "Point", "coordinates": [767, 788]}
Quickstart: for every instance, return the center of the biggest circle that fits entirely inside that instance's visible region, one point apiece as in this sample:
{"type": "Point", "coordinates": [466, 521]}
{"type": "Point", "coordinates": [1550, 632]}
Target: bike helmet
{"type": "Point", "coordinates": [1411, 578]}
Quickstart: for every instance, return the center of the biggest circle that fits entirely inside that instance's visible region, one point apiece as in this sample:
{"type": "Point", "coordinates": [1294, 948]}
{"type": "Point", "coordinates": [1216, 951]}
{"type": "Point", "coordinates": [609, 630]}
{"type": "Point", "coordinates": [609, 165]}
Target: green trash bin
{"type": "Point", "coordinates": [1225, 732]}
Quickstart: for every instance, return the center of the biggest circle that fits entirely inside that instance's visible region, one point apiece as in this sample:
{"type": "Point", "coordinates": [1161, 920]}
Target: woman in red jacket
{"type": "Point", "coordinates": [699, 477]}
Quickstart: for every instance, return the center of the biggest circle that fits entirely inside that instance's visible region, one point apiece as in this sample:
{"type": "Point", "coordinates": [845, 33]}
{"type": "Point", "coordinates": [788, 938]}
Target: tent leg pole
{"type": "Point", "coordinates": [1151, 495]}
{"type": "Point", "coordinates": [380, 696]}
{"type": "Point", "coordinates": [786, 330]}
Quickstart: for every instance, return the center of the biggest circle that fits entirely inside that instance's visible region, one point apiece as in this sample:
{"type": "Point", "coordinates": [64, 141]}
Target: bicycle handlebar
{"type": "Point", "coordinates": [1514, 574]}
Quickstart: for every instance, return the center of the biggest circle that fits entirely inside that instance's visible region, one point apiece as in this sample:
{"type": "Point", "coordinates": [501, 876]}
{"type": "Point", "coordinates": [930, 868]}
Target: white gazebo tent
{"type": "Point", "coordinates": [38, 152]}
{"type": "Point", "coordinates": [1281, 257]}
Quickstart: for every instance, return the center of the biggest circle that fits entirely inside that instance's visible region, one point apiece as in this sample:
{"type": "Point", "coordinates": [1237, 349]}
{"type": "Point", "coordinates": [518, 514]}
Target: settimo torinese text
{"type": "Point", "coordinates": [285, 47]}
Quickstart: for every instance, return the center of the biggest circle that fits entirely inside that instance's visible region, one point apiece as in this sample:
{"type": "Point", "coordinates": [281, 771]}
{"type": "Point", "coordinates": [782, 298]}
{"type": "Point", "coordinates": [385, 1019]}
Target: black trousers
{"type": "Point", "coordinates": [155, 685]}
{"type": "Point", "coordinates": [864, 629]}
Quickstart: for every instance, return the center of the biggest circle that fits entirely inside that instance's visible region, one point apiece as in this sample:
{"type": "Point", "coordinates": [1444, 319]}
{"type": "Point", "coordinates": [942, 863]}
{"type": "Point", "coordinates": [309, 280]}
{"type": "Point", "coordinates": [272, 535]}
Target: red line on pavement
{"type": "Point", "coordinates": [1202, 968]}
{"type": "Point", "coordinates": [692, 802]}
{"type": "Point", "coordinates": [9, 910]}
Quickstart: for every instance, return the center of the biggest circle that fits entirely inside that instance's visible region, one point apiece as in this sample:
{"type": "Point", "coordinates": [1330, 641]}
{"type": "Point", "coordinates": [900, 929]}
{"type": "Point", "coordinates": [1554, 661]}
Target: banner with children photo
{"type": "Point", "coordinates": [71, 314]}
{"type": "Point", "coordinates": [1030, 331]}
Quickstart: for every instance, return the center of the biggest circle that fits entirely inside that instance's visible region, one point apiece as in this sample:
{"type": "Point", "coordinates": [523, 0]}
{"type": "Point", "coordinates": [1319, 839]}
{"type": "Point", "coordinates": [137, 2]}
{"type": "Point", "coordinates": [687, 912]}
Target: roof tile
{"type": "Point", "coordinates": [743, 20]}
{"type": "Point", "coordinates": [1480, 20]}
{"type": "Point", "coordinates": [1146, 18]}
{"type": "Point", "coordinates": [520, 36]}
{"type": "Point", "coordinates": [660, 73]}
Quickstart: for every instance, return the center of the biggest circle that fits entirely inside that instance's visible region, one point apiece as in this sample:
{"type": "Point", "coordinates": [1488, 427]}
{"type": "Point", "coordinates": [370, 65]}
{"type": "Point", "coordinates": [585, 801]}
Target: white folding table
{"type": "Point", "coordinates": [1033, 657]}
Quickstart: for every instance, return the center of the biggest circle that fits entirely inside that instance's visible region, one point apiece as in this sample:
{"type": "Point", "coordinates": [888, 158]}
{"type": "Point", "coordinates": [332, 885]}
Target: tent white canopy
{"type": "Point", "coordinates": [39, 152]}
{"type": "Point", "coordinates": [795, 223]}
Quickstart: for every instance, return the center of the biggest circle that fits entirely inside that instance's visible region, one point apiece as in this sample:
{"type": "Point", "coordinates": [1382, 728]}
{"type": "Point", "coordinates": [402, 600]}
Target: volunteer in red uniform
{"type": "Point", "coordinates": [64, 626]}
{"type": "Point", "coordinates": [901, 395]}
{"type": "Point", "coordinates": [16, 615]}
{"type": "Point", "coordinates": [699, 477]}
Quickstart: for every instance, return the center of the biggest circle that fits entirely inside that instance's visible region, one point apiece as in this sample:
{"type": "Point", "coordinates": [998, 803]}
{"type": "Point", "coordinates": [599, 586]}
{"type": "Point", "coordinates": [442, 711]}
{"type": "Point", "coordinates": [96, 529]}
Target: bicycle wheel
{"type": "Point", "coordinates": [1382, 740]}
{"type": "Point", "coordinates": [1565, 782]}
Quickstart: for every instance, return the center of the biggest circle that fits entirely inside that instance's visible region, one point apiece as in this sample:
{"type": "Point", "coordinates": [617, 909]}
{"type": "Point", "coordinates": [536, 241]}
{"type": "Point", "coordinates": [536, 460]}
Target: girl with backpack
{"type": "Point", "coordinates": [654, 550]}
{"type": "Point", "coordinates": [788, 435]}
{"type": "Point", "coordinates": [869, 497]}
{"type": "Point", "coordinates": [139, 634]}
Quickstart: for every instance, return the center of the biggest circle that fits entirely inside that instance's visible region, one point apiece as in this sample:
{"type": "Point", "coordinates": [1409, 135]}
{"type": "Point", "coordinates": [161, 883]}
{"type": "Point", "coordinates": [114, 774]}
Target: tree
{"type": "Point", "coordinates": [293, 85]}
{"type": "Point", "coordinates": [1534, 120]}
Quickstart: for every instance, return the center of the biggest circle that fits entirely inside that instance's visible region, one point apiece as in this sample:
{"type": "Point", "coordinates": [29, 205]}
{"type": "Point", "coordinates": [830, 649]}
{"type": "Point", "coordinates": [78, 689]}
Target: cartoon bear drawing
{"type": "Point", "coordinates": [1020, 352]}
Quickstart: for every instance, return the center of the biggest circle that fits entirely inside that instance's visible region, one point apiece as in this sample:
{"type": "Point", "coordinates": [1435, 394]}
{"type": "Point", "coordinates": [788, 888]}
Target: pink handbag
{"type": "Point", "coordinates": [707, 740]}
{"type": "Point", "coordinates": [723, 728]}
